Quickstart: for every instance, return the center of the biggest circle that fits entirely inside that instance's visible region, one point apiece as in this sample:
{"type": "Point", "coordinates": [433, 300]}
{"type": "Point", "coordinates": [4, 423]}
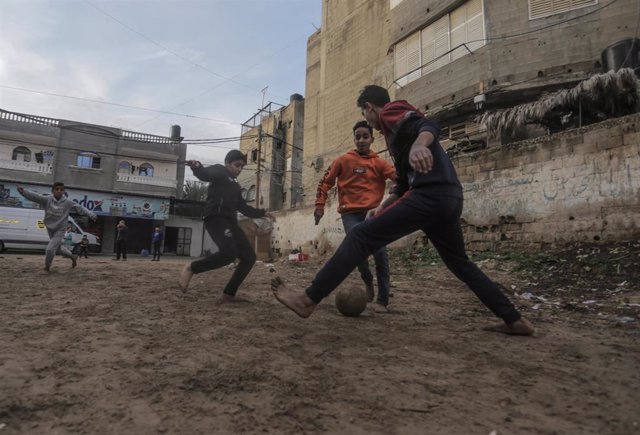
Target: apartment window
{"type": "Point", "coordinates": [145, 170]}
{"type": "Point", "coordinates": [21, 154]}
{"type": "Point", "coordinates": [431, 47]}
{"type": "Point", "coordinates": [394, 3]}
{"type": "Point", "coordinates": [544, 8]}
{"type": "Point", "coordinates": [88, 160]}
{"type": "Point", "coordinates": [124, 167]}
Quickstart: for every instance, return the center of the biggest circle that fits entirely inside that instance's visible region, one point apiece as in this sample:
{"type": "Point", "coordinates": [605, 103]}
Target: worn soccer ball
{"type": "Point", "coordinates": [351, 301]}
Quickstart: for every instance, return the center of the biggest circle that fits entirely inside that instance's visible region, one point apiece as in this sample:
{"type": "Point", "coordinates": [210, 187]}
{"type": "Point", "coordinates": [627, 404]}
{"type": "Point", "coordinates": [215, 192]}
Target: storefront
{"type": "Point", "coordinates": [141, 214]}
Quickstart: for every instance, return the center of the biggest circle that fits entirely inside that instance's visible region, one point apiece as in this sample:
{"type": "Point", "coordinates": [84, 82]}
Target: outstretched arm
{"type": "Point", "coordinates": [32, 196]}
{"type": "Point", "coordinates": [85, 211]}
{"type": "Point", "coordinates": [210, 173]}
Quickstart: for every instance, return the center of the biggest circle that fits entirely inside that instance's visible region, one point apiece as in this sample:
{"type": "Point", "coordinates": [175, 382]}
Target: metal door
{"type": "Point", "coordinates": [184, 242]}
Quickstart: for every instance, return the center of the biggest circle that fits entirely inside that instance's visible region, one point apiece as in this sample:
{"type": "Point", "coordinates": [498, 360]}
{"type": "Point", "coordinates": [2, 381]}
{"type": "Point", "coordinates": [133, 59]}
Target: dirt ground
{"type": "Point", "coordinates": [115, 348]}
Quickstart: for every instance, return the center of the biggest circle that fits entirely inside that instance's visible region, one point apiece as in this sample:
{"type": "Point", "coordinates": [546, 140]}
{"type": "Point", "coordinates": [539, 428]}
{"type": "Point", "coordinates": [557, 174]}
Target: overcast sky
{"type": "Point", "coordinates": [205, 58]}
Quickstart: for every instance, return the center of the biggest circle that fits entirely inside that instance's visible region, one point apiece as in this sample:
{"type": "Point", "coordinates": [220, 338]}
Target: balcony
{"type": "Point", "coordinates": [16, 165]}
{"type": "Point", "coordinates": [152, 181]}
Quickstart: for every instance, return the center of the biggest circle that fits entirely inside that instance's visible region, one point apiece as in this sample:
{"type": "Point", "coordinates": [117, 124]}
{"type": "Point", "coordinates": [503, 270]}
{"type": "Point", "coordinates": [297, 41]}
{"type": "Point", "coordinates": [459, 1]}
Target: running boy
{"type": "Point", "coordinates": [224, 201]}
{"type": "Point", "coordinates": [361, 177]}
{"type": "Point", "coordinates": [56, 217]}
{"type": "Point", "coordinates": [427, 197]}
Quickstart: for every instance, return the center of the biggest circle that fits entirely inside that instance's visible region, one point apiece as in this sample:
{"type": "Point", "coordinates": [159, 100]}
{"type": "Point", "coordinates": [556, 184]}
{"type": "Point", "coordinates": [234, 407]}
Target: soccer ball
{"type": "Point", "coordinates": [351, 302]}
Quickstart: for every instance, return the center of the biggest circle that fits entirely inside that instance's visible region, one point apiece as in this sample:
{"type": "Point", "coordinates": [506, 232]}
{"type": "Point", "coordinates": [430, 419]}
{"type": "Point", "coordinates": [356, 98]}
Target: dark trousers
{"type": "Point", "coordinates": [380, 258]}
{"type": "Point", "coordinates": [121, 248]}
{"type": "Point", "coordinates": [156, 249]}
{"type": "Point", "coordinates": [438, 217]}
{"type": "Point", "coordinates": [83, 251]}
{"type": "Point", "coordinates": [232, 244]}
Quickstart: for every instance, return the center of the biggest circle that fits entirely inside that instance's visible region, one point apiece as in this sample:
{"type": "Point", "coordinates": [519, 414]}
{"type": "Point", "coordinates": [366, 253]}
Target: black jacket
{"type": "Point", "coordinates": [224, 196]}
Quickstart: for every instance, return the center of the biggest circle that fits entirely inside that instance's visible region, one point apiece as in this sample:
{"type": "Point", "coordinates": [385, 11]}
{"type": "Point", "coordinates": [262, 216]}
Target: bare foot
{"type": "Point", "coordinates": [370, 292]}
{"type": "Point", "coordinates": [379, 308]}
{"type": "Point", "coordinates": [74, 261]}
{"type": "Point", "coordinates": [519, 327]}
{"type": "Point", "coordinates": [299, 303]}
{"type": "Point", "coordinates": [47, 269]}
{"type": "Point", "coordinates": [185, 278]}
{"type": "Point", "coordinates": [228, 299]}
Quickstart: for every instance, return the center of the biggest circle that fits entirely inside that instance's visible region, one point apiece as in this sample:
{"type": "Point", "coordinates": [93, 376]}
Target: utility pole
{"type": "Point", "coordinates": [258, 167]}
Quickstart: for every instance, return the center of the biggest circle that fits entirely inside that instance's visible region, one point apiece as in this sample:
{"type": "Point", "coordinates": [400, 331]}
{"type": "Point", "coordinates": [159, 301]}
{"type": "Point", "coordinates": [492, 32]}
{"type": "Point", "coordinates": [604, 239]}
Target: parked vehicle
{"type": "Point", "coordinates": [23, 228]}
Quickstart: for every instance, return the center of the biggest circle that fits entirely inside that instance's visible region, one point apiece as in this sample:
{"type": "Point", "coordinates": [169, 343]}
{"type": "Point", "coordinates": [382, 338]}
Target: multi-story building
{"type": "Point", "coordinates": [118, 174]}
{"type": "Point", "coordinates": [272, 139]}
{"type": "Point", "coordinates": [456, 59]}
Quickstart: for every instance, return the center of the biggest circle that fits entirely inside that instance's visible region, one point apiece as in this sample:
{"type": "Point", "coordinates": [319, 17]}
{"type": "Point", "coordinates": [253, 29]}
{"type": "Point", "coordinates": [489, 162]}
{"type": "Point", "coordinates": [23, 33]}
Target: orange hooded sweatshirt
{"type": "Point", "coordinates": [361, 181]}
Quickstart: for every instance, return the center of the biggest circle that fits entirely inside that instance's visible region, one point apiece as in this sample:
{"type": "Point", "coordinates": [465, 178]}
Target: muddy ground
{"type": "Point", "coordinates": [114, 348]}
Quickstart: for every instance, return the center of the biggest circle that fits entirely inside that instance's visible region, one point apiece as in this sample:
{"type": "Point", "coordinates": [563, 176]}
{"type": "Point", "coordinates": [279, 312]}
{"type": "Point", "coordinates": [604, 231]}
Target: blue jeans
{"type": "Point", "coordinates": [380, 258]}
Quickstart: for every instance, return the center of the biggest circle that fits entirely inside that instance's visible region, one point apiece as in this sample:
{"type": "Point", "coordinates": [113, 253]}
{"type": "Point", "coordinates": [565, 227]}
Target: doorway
{"type": "Point", "coordinates": [178, 240]}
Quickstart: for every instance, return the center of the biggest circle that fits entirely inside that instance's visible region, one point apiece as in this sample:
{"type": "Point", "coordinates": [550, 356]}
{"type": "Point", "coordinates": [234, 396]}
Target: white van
{"type": "Point", "coordinates": [23, 228]}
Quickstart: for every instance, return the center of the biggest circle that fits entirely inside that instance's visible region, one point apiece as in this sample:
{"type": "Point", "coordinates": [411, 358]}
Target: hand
{"type": "Point", "coordinates": [20, 189]}
{"type": "Point", "coordinates": [374, 211]}
{"type": "Point", "coordinates": [420, 157]}
{"type": "Point", "coordinates": [317, 214]}
{"type": "Point", "coordinates": [193, 163]}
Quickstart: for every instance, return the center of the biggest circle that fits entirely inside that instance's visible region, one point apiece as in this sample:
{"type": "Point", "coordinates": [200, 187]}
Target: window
{"type": "Point", "coordinates": [544, 8]}
{"type": "Point", "coordinates": [21, 154]}
{"type": "Point", "coordinates": [145, 170]}
{"type": "Point", "coordinates": [88, 160]}
{"type": "Point", "coordinates": [124, 167]}
{"type": "Point", "coordinates": [394, 3]}
{"type": "Point", "coordinates": [462, 31]}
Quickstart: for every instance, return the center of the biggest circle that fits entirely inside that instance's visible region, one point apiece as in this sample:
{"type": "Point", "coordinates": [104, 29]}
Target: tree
{"type": "Point", "coordinates": [195, 190]}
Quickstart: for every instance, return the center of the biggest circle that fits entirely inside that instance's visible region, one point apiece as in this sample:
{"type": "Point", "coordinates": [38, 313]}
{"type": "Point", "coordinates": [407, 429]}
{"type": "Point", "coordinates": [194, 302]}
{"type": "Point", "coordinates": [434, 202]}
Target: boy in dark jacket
{"type": "Point", "coordinates": [427, 197]}
{"type": "Point", "coordinates": [224, 200]}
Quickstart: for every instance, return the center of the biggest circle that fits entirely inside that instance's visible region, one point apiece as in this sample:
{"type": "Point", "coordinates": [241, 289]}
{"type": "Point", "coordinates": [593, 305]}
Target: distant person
{"type": "Point", "coordinates": [224, 201]}
{"type": "Point", "coordinates": [427, 197]}
{"type": "Point", "coordinates": [68, 238]}
{"type": "Point", "coordinates": [361, 177]}
{"type": "Point", "coordinates": [156, 242]}
{"type": "Point", "coordinates": [84, 246]}
{"type": "Point", "coordinates": [56, 217]}
{"type": "Point", "coordinates": [121, 240]}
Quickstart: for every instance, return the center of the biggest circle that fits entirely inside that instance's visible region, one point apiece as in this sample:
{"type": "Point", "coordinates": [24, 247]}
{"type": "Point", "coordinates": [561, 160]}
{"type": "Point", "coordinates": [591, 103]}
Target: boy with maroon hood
{"type": "Point", "coordinates": [427, 197]}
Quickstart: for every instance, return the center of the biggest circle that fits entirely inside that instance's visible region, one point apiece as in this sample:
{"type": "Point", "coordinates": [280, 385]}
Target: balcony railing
{"type": "Point", "coordinates": [154, 181]}
{"type": "Point", "coordinates": [16, 165]}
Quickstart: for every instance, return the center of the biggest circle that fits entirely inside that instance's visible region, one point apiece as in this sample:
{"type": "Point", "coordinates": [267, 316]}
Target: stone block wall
{"type": "Point", "coordinates": [582, 185]}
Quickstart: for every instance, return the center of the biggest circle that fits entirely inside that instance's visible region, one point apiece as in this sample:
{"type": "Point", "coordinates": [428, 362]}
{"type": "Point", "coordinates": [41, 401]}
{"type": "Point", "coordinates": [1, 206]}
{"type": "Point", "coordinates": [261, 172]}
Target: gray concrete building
{"type": "Point", "coordinates": [455, 59]}
{"type": "Point", "coordinates": [116, 173]}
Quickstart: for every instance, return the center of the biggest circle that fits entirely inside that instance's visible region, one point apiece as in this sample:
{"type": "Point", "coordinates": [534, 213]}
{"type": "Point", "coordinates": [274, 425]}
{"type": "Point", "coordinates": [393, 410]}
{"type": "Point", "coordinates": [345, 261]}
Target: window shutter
{"type": "Point", "coordinates": [458, 32]}
{"type": "Point", "coordinates": [475, 25]}
{"type": "Point", "coordinates": [544, 8]}
{"type": "Point", "coordinates": [400, 62]}
{"type": "Point", "coordinates": [413, 57]}
{"type": "Point", "coordinates": [435, 43]}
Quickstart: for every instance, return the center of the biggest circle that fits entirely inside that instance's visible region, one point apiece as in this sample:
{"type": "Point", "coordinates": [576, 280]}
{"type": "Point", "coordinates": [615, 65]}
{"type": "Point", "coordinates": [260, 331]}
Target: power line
{"type": "Point", "coordinates": [178, 55]}
{"type": "Point", "coordinates": [166, 112]}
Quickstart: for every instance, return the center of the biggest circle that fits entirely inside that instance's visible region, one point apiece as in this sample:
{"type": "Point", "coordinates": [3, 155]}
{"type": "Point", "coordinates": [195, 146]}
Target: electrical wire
{"type": "Point", "coordinates": [166, 112]}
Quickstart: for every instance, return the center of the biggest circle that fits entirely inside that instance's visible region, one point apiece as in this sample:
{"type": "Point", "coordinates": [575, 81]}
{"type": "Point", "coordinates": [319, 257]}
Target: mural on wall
{"type": "Point", "coordinates": [102, 204]}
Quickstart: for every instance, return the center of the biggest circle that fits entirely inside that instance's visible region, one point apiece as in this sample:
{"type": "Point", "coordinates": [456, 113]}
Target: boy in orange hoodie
{"type": "Point", "coordinates": [361, 177]}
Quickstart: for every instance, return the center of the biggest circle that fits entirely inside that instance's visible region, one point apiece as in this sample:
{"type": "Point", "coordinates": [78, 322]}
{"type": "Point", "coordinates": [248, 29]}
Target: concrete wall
{"type": "Point", "coordinates": [581, 185]}
{"type": "Point", "coordinates": [200, 240]}
{"type": "Point", "coordinates": [349, 52]}
{"type": "Point", "coordinates": [566, 52]}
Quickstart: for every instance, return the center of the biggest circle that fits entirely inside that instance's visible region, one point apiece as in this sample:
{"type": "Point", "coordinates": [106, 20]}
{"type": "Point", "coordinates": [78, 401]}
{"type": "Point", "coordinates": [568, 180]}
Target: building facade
{"type": "Point", "coordinates": [456, 59]}
{"type": "Point", "coordinates": [116, 173]}
{"type": "Point", "coordinates": [272, 139]}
